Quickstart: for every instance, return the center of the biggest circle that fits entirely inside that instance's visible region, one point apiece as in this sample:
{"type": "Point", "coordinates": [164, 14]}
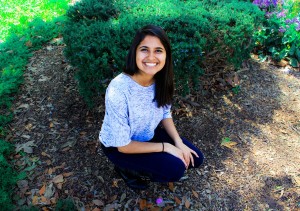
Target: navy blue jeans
{"type": "Point", "coordinates": [159, 166]}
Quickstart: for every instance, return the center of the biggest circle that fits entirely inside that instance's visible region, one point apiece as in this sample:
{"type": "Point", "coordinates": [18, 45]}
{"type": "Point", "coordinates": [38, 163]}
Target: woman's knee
{"type": "Point", "coordinates": [172, 170]}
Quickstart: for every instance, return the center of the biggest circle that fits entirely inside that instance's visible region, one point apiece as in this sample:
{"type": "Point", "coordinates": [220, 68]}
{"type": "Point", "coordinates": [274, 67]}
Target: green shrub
{"type": "Point", "coordinates": [97, 45]}
{"type": "Point", "coordinates": [8, 176]}
{"type": "Point", "coordinates": [279, 37]}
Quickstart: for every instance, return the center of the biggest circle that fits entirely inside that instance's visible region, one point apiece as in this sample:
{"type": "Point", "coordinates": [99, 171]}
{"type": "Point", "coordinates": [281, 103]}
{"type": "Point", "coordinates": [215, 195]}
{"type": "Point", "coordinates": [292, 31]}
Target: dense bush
{"type": "Point", "coordinates": [8, 176]}
{"type": "Point", "coordinates": [97, 44]}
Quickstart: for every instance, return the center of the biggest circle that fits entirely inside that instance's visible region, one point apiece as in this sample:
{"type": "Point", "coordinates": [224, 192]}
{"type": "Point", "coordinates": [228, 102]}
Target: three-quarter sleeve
{"type": "Point", "coordinates": [115, 129]}
{"type": "Point", "coordinates": [167, 112]}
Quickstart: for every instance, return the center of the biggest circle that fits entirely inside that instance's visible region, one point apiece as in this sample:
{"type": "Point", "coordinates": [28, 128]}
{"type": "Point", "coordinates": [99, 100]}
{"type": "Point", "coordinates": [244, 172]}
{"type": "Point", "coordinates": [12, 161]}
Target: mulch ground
{"type": "Point", "coordinates": [251, 141]}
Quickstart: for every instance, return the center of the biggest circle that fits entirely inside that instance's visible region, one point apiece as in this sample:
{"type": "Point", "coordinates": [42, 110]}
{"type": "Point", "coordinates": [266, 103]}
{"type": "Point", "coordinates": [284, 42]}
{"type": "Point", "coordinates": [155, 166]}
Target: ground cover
{"type": "Point", "coordinates": [250, 139]}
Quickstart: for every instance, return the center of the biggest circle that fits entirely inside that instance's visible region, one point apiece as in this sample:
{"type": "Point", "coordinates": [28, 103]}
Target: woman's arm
{"type": "Point", "coordinates": [135, 147]}
{"type": "Point", "coordinates": [186, 151]}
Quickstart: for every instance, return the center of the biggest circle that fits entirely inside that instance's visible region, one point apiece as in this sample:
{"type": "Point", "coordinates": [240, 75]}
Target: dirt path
{"type": "Point", "coordinates": [256, 169]}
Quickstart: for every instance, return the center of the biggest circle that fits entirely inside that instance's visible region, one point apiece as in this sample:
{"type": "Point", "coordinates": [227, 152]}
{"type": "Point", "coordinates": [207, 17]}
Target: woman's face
{"type": "Point", "coordinates": [150, 56]}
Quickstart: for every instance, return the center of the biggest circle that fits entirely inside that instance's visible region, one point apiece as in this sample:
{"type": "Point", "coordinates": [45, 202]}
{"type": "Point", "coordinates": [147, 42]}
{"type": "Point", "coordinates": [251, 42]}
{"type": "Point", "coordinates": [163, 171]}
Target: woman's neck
{"type": "Point", "coordinates": [143, 80]}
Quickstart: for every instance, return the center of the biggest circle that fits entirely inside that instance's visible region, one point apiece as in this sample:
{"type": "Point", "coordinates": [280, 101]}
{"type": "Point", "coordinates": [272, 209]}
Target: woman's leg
{"type": "Point", "coordinates": [162, 136]}
{"type": "Point", "coordinates": [160, 167]}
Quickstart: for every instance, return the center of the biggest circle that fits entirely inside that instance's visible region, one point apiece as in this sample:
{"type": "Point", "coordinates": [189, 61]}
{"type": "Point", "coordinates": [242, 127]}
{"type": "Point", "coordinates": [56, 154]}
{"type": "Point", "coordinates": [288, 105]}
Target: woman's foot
{"type": "Point", "coordinates": [133, 179]}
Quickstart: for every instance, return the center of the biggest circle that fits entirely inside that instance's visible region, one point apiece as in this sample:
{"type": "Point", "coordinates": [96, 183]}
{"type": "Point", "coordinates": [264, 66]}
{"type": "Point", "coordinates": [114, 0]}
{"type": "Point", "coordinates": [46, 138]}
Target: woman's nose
{"type": "Point", "coordinates": [151, 55]}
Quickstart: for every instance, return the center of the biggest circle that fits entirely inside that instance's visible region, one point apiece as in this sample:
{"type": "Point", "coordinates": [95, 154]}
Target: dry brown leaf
{"type": "Point", "coordinates": [53, 200]}
{"type": "Point", "coordinates": [187, 204]}
{"type": "Point", "coordinates": [98, 202]}
{"type": "Point", "coordinates": [143, 204]}
{"type": "Point", "coordinates": [42, 190]}
{"type": "Point", "coordinates": [96, 209]}
{"type": "Point", "coordinates": [45, 209]}
{"type": "Point", "coordinates": [113, 198]}
{"type": "Point", "coordinates": [49, 162]}
{"type": "Point", "coordinates": [229, 144]}
{"type": "Point", "coordinates": [168, 208]}
{"type": "Point", "coordinates": [50, 171]}
{"type": "Point", "coordinates": [35, 200]}
{"type": "Point", "coordinates": [115, 183]}
{"type": "Point", "coordinates": [58, 179]}
{"type": "Point", "coordinates": [45, 200]}
{"type": "Point", "coordinates": [171, 186]}
{"type": "Point", "coordinates": [51, 125]}
{"type": "Point", "coordinates": [46, 155]}
{"type": "Point", "coordinates": [177, 200]}
{"type": "Point", "coordinates": [68, 174]}
{"type": "Point", "coordinates": [155, 208]}
{"type": "Point", "coordinates": [195, 194]}
{"type": "Point", "coordinates": [59, 186]}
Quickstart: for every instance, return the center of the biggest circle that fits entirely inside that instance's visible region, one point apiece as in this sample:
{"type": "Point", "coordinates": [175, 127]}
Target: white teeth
{"type": "Point", "coordinates": [151, 64]}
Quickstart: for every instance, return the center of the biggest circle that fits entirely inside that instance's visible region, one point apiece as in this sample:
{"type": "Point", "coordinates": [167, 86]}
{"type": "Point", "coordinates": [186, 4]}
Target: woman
{"type": "Point", "coordinates": [137, 104]}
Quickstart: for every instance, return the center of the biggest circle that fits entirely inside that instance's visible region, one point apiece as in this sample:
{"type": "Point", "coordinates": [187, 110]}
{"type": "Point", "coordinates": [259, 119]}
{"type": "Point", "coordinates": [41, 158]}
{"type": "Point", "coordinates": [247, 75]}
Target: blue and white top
{"type": "Point", "coordinates": [130, 112]}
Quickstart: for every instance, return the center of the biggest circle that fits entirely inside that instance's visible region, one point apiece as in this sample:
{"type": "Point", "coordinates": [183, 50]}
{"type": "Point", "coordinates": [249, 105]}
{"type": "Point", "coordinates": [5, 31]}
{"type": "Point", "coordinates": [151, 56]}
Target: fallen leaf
{"type": "Point", "coordinates": [143, 204]}
{"type": "Point", "coordinates": [50, 171]}
{"type": "Point", "coordinates": [59, 186]}
{"type": "Point", "coordinates": [35, 200]}
{"type": "Point", "coordinates": [123, 197]}
{"type": "Point", "coordinates": [168, 208]}
{"type": "Point", "coordinates": [171, 186]}
{"type": "Point", "coordinates": [187, 204]}
{"type": "Point", "coordinates": [115, 183]}
{"type": "Point", "coordinates": [58, 179]}
{"type": "Point", "coordinates": [96, 209]}
{"type": "Point", "coordinates": [23, 106]}
{"type": "Point", "coordinates": [228, 143]}
{"type": "Point", "coordinates": [45, 200]}
{"type": "Point", "coordinates": [42, 190]}
{"type": "Point", "coordinates": [98, 202]}
{"type": "Point", "coordinates": [46, 155]}
{"type": "Point", "coordinates": [68, 174]}
{"type": "Point", "coordinates": [27, 147]}
{"type": "Point", "coordinates": [101, 179]}
{"type": "Point", "coordinates": [113, 198]}
{"type": "Point", "coordinates": [195, 194]}
{"type": "Point", "coordinates": [51, 125]}
{"type": "Point", "coordinates": [177, 200]}
{"type": "Point", "coordinates": [50, 190]}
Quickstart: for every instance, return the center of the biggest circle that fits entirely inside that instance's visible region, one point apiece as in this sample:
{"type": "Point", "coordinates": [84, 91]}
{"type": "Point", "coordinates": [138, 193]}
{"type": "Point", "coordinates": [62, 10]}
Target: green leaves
{"type": "Point", "coordinates": [195, 28]}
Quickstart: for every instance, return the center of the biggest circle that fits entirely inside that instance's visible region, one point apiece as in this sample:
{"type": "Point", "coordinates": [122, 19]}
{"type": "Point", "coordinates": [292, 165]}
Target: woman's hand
{"type": "Point", "coordinates": [187, 153]}
{"type": "Point", "coordinates": [173, 150]}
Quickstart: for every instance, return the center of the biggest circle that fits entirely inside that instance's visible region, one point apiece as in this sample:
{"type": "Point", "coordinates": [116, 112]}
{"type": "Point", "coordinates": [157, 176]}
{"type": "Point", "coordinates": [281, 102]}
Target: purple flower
{"type": "Point", "coordinates": [265, 3]}
{"type": "Point", "coordinates": [281, 29]}
{"type": "Point", "coordinates": [289, 21]}
{"type": "Point", "coordinates": [159, 201]}
{"type": "Point", "coordinates": [298, 27]}
{"type": "Point", "coordinates": [281, 14]}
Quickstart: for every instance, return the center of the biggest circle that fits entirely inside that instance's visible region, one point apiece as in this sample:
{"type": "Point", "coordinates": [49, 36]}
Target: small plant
{"type": "Point", "coordinates": [279, 36]}
{"type": "Point", "coordinates": [65, 205]}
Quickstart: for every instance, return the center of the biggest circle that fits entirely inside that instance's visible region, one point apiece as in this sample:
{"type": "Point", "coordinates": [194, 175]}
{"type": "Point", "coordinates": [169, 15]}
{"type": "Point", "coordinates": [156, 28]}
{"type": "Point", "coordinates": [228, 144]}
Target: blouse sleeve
{"type": "Point", "coordinates": [115, 129]}
{"type": "Point", "coordinates": [167, 112]}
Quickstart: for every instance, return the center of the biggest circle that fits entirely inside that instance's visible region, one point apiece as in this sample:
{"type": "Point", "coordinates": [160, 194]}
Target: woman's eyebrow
{"type": "Point", "coordinates": [144, 46]}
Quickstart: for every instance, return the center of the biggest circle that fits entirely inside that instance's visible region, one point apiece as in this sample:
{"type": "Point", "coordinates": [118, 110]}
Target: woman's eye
{"type": "Point", "coordinates": [159, 51]}
{"type": "Point", "coordinates": [144, 50]}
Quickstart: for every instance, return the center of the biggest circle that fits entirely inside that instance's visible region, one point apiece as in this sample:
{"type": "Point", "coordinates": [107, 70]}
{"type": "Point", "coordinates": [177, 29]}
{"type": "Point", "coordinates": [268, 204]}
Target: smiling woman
{"type": "Point", "coordinates": [138, 134]}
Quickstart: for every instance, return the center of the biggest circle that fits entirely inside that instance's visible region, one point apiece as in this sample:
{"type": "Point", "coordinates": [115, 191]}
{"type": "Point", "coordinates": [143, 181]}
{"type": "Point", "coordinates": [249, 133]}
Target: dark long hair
{"type": "Point", "coordinates": [164, 79]}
